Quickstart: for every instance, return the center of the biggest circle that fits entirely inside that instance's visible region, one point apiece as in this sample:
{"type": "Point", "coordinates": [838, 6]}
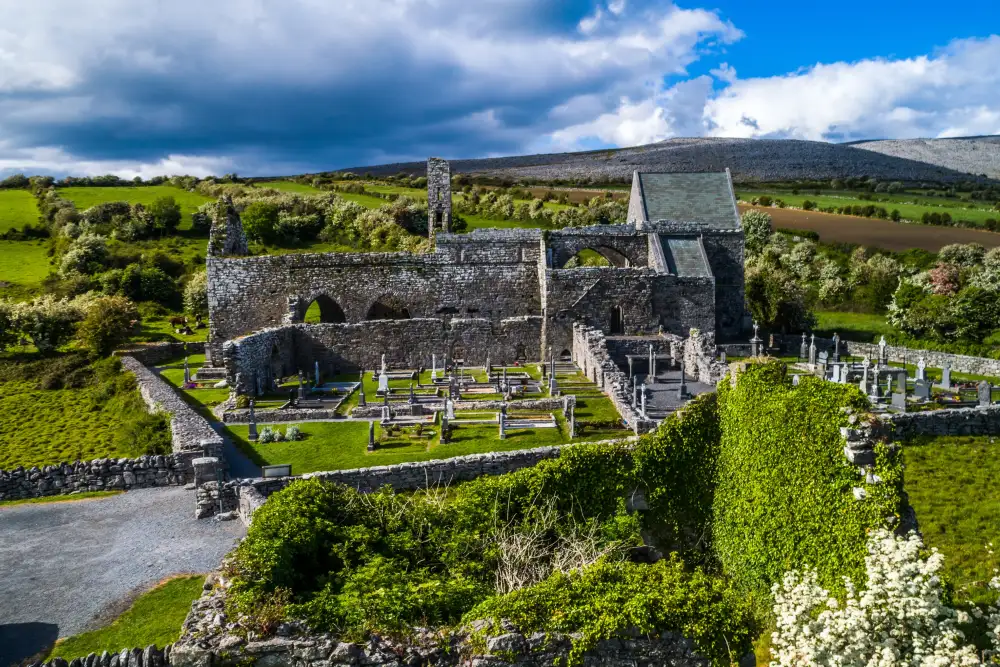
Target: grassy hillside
{"type": "Point", "coordinates": [189, 202]}
{"type": "Point", "coordinates": [17, 209]}
{"type": "Point", "coordinates": [23, 265]}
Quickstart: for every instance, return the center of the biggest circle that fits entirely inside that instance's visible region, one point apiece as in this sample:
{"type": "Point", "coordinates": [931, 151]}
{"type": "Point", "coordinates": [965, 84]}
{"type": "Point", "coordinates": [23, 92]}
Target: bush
{"type": "Point", "coordinates": [148, 434]}
{"type": "Point", "coordinates": [756, 230]}
{"type": "Point", "coordinates": [196, 296]}
{"type": "Point", "coordinates": [292, 433]}
{"type": "Point", "coordinates": [108, 322]}
{"type": "Point", "coordinates": [165, 214]}
{"type": "Point", "coordinates": [259, 220]}
{"type": "Point", "coordinates": [266, 435]}
{"type": "Point", "coordinates": [49, 322]}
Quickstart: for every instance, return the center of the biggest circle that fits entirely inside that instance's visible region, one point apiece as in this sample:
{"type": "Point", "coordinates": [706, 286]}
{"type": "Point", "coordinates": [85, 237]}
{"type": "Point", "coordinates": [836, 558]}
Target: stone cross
{"type": "Point", "coordinates": [946, 375]}
{"type": "Point", "coordinates": [642, 394]}
{"type": "Point", "coordinates": [449, 409]}
{"type": "Point", "coordinates": [253, 424]}
{"type": "Point", "coordinates": [755, 327]}
{"type": "Point", "coordinates": [985, 393]}
{"type": "Point", "coordinates": [413, 399]}
{"type": "Point", "coordinates": [883, 352]}
{"type": "Point", "coordinates": [863, 385]}
{"type": "Point", "coordinates": [434, 367]}
{"type": "Point", "coordinates": [630, 360]}
{"type": "Point", "coordinates": [489, 368]}
{"type": "Point", "coordinates": [652, 365]}
{"type": "Point", "coordinates": [812, 349]}
{"type": "Point", "coordinates": [552, 360]}
{"type": "Point", "coordinates": [316, 368]}
{"type": "Point", "coordinates": [444, 431]}
{"type": "Point", "coordinates": [755, 342]}
{"type": "Point", "coordinates": [572, 422]}
{"type": "Point", "coordinates": [187, 371]}
{"type": "Point", "coordinates": [921, 369]}
{"type": "Point", "coordinates": [503, 434]}
{"type": "Point", "coordinates": [383, 363]}
{"type": "Point", "coordinates": [361, 395]}
{"type": "Point", "coordinates": [371, 436]}
{"type": "Point", "coordinates": [553, 386]}
{"type": "Point", "coordinates": [804, 347]}
{"type": "Point", "coordinates": [302, 389]}
{"type": "Point", "coordinates": [635, 395]}
{"type": "Point", "coordinates": [682, 390]}
{"type": "Point", "coordinates": [385, 399]}
{"type": "Point", "coordinates": [836, 346]}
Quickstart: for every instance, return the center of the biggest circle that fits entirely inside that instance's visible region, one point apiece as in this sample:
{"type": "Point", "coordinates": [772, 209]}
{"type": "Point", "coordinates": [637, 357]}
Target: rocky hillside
{"type": "Point", "coordinates": [748, 159]}
{"type": "Point", "coordinates": [975, 155]}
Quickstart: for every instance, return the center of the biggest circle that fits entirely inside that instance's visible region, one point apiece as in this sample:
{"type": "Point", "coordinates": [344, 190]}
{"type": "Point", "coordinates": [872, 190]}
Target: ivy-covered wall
{"type": "Point", "coordinates": [786, 494]}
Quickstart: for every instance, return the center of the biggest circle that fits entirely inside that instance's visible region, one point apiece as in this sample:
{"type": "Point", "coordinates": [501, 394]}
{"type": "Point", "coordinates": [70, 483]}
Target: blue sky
{"type": "Point", "coordinates": [288, 86]}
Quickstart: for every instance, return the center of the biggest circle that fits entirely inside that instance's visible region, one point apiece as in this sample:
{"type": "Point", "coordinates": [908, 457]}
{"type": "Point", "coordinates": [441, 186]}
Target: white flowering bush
{"type": "Point", "coordinates": [898, 619]}
{"type": "Point", "coordinates": [266, 435]}
{"type": "Point", "coordinates": [292, 433]}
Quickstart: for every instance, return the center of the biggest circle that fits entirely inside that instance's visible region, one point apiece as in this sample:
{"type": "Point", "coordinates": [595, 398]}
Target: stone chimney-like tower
{"type": "Point", "coordinates": [226, 236]}
{"type": "Point", "coordinates": [438, 196]}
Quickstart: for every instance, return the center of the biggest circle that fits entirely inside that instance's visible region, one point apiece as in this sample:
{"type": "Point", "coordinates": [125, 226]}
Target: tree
{"type": "Point", "coordinates": [259, 219]}
{"type": "Point", "coordinates": [48, 321]}
{"type": "Point", "coordinates": [196, 296]}
{"type": "Point", "coordinates": [108, 322]}
{"type": "Point", "coordinates": [756, 231]}
{"type": "Point", "coordinates": [86, 255]}
{"type": "Point", "coordinates": [18, 181]}
{"type": "Point", "coordinates": [166, 214]}
{"type": "Point", "coordinates": [776, 300]}
{"type": "Point", "coordinates": [8, 325]}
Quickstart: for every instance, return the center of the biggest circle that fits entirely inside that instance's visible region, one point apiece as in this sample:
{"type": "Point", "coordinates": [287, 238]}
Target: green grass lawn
{"type": "Point", "coordinates": [47, 426]}
{"type": "Point", "coordinates": [173, 372]}
{"type": "Point", "coordinates": [86, 495]}
{"type": "Point", "coordinates": [17, 209]}
{"type": "Point", "coordinates": [23, 265]}
{"type": "Point", "coordinates": [158, 328]}
{"type": "Point", "coordinates": [910, 206]}
{"type": "Point", "coordinates": [154, 618]}
{"type": "Point", "coordinates": [189, 202]}
{"type": "Point", "coordinates": [952, 485]}
{"type": "Point", "coordinates": [290, 186]}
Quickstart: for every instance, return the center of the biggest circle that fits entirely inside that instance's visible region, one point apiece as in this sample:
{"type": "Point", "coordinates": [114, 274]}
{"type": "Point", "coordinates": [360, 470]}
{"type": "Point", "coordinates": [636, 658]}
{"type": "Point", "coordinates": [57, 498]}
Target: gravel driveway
{"type": "Point", "coordinates": [66, 566]}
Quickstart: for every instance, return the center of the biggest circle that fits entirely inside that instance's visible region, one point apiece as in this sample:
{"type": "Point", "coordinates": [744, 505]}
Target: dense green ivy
{"type": "Point", "coordinates": [616, 598]}
{"type": "Point", "coordinates": [784, 497]}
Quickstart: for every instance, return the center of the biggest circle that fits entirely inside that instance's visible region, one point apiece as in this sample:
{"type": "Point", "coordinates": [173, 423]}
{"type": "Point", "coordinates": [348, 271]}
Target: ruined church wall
{"type": "Point", "coordinates": [621, 238]}
{"type": "Point", "coordinates": [348, 347]}
{"type": "Point", "coordinates": [491, 278]}
{"type": "Point", "coordinates": [649, 301]}
{"type": "Point", "coordinates": [725, 255]}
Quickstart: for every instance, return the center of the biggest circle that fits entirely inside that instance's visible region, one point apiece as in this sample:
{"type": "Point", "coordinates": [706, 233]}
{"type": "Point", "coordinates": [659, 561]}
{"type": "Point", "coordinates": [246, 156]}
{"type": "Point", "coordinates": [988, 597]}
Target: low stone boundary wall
{"type": "Point", "coordinates": [401, 477]}
{"type": "Point", "coordinates": [190, 432]}
{"type": "Point", "coordinates": [208, 638]}
{"type": "Point", "coordinates": [137, 657]}
{"type": "Point", "coordinates": [156, 353]}
{"type": "Point", "coordinates": [268, 416]}
{"type": "Point", "coordinates": [955, 421]}
{"type": "Point", "coordinates": [590, 352]}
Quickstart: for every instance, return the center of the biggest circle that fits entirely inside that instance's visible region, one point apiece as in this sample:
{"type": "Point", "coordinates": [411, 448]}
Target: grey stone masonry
{"type": "Point", "coordinates": [438, 196]}
{"type": "Point", "coordinates": [212, 639]}
{"type": "Point", "coordinates": [156, 353]}
{"type": "Point", "coordinates": [590, 352]}
{"type": "Point", "coordinates": [956, 421]}
{"type": "Point", "coordinates": [189, 431]}
{"type": "Point", "coordinates": [151, 656]}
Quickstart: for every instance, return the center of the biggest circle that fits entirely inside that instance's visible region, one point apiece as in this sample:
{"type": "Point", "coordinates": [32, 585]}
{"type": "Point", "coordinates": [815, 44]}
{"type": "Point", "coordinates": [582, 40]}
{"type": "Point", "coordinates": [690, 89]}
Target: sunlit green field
{"type": "Point", "coordinates": [290, 186]}
{"type": "Point", "coordinates": [17, 209]}
{"type": "Point", "coordinates": [84, 198]}
{"type": "Point", "coordinates": [23, 265]}
{"type": "Point", "coordinates": [910, 207]}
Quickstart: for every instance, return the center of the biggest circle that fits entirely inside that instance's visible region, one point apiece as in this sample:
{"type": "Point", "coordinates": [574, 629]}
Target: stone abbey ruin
{"type": "Point", "coordinates": [501, 295]}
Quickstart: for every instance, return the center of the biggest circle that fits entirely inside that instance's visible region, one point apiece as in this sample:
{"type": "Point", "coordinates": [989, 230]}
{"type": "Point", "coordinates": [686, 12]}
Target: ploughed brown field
{"type": "Point", "coordinates": [884, 234]}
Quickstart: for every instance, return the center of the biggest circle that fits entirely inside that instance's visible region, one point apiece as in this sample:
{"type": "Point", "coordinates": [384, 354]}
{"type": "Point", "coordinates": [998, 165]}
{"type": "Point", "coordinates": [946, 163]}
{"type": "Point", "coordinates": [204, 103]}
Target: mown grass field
{"type": "Point", "coordinates": [23, 266]}
{"type": "Point", "coordinates": [910, 207]}
{"type": "Point", "coordinates": [952, 485]}
{"type": "Point", "coordinates": [17, 209]}
{"type": "Point", "coordinates": [47, 426]}
{"type": "Point", "coordinates": [290, 186]}
{"type": "Point", "coordinates": [189, 202]}
{"type": "Point", "coordinates": [70, 498]}
{"type": "Point", "coordinates": [154, 618]}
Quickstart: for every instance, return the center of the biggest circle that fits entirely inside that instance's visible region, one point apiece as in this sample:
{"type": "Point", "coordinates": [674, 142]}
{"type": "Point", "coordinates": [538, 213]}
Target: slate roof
{"type": "Point", "coordinates": [685, 256]}
{"type": "Point", "coordinates": [705, 198]}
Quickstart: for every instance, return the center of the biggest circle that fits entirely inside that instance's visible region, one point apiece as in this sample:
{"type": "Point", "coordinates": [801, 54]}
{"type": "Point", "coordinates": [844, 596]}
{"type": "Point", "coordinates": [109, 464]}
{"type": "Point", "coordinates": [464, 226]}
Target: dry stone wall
{"type": "Point", "coordinates": [210, 639]}
{"type": "Point", "coordinates": [156, 353]}
{"type": "Point", "coordinates": [151, 656]}
{"type": "Point", "coordinates": [956, 421]}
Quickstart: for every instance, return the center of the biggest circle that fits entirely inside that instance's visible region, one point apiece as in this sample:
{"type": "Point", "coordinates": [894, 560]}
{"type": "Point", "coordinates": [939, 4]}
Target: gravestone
{"type": "Point", "coordinates": [922, 390]}
{"type": "Point", "coordinates": [899, 401]}
{"type": "Point", "coordinates": [836, 346]}
{"type": "Point", "coordinates": [445, 431]}
{"type": "Point", "coordinates": [722, 356]}
{"type": "Point", "coordinates": [755, 342]}
{"type": "Point", "coordinates": [682, 391]}
{"type": "Point", "coordinates": [383, 382]}
{"type": "Point", "coordinates": [985, 393]}
{"type": "Point", "coordinates": [386, 414]}
{"type": "Point", "coordinates": [572, 422]}
{"type": "Point", "coordinates": [835, 373]}
{"type": "Point", "coordinates": [412, 399]}
{"type": "Point", "coordinates": [652, 366]}
{"type": "Point", "coordinates": [883, 352]}
{"type": "Point", "coordinates": [642, 397]}
{"type": "Point", "coordinates": [253, 424]}
{"type": "Point", "coordinates": [812, 349]}
{"type": "Point", "coordinates": [946, 375]}
{"type": "Point", "coordinates": [503, 434]}
{"type": "Point", "coordinates": [901, 382]}
{"type": "Point", "coordinates": [371, 436]}
{"type": "Point", "coordinates": [187, 372]}
{"type": "Point", "coordinates": [804, 347]}
{"type": "Point", "coordinates": [316, 368]}
{"type": "Point", "coordinates": [921, 369]}
{"type": "Point", "coordinates": [434, 367]}
{"type": "Point", "coordinates": [302, 388]}
{"type": "Point", "coordinates": [795, 380]}
{"type": "Point", "coordinates": [449, 408]}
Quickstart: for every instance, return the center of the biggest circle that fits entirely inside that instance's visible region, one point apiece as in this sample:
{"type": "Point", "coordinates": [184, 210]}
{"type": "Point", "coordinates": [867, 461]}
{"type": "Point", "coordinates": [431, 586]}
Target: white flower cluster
{"type": "Point", "coordinates": [899, 619]}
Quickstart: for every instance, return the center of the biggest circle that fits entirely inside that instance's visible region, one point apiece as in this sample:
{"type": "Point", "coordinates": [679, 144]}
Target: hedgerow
{"type": "Point", "coordinates": [784, 497]}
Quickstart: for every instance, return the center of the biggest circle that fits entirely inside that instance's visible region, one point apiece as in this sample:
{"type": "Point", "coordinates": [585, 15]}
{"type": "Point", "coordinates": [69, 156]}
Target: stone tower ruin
{"type": "Point", "coordinates": [226, 235]}
{"type": "Point", "coordinates": [438, 196]}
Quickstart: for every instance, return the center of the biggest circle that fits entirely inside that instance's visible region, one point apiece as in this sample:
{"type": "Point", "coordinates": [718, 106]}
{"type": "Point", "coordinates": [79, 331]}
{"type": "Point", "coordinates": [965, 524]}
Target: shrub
{"type": "Point", "coordinates": [165, 214]}
{"type": "Point", "coordinates": [147, 434]}
{"type": "Point", "coordinates": [266, 435]}
{"type": "Point", "coordinates": [756, 230]}
{"type": "Point", "coordinates": [292, 433]}
{"type": "Point", "coordinates": [107, 324]}
{"type": "Point", "coordinates": [49, 322]}
{"type": "Point", "coordinates": [259, 220]}
{"type": "Point", "coordinates": [196, 295]}
{"type": "Point", "coordinates": [85, 255]}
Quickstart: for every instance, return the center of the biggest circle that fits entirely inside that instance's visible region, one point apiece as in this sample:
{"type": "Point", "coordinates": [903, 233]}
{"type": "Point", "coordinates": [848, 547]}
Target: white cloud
{"type": "Point", "coordinates": [953, 92]}
{"type": "Point", "coordinates": [48, 159]}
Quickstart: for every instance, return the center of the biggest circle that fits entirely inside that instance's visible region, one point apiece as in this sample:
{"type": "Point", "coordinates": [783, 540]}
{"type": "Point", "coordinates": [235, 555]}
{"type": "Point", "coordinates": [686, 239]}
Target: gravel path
{"type": "Point", "coordinates": [63, 566]}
